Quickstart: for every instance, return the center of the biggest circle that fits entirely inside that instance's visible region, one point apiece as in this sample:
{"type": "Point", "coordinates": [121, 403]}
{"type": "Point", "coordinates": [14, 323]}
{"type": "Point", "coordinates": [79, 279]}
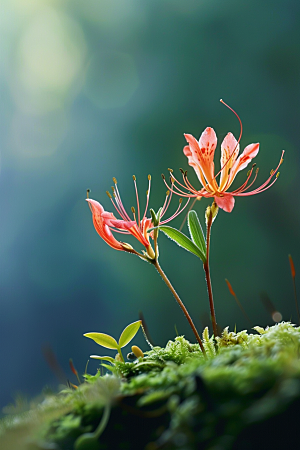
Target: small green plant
{"type": "Point", "coordinates": [109, 342]}
{"type": "Point", "coordinates": [194, 390]}
{"type": "Point", "coordinates": [200, 154]}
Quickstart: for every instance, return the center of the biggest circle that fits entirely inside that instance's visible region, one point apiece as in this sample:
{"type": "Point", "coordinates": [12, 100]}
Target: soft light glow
{"type": "Point", "coordinates": [48, 61]}
{"type": "Point", "coordinates": [277, 316]}
{"type": "Point", "coordinates": [111, 79]}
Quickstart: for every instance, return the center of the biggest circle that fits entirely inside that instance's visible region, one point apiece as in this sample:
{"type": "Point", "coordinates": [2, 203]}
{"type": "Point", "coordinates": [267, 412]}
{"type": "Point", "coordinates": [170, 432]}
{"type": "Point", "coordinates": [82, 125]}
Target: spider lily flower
{"type": "Point", "coordinates": [105, 222]}
{"type": "Point", "coordinates": [200, 156]}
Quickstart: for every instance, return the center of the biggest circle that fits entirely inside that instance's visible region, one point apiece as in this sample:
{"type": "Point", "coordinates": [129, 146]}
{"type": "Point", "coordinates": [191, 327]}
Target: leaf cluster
{"type": "Point", "coordinates": [107, 341]}
{"type": "Point", "coordinates": [196, 244]}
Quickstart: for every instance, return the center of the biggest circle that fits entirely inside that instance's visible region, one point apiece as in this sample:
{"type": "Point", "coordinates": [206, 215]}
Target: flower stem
{"type": "Point", "coordinates": [177, 298]}
{"type": "Point", "coordinates": [207, 276]}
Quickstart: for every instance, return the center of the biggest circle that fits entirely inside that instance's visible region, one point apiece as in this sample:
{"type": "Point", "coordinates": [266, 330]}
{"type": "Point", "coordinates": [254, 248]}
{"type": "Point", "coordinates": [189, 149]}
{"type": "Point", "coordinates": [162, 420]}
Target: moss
{"type": "Point", "coordinates": [174, 398]}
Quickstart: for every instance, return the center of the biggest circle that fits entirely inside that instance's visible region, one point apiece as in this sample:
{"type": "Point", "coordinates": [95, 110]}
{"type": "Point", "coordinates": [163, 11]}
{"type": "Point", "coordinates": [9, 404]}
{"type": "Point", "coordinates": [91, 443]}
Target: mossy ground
{"type": "Point", "coordinates": [245, 396]}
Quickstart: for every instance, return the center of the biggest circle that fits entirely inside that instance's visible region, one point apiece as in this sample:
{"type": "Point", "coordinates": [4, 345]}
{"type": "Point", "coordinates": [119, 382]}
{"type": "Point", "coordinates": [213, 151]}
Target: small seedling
{"type": "Point", "coordinates": [109, 342]}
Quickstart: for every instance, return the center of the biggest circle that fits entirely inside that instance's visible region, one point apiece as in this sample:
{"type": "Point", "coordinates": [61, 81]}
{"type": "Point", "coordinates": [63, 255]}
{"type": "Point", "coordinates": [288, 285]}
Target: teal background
{"type": "Point", "coordinates": [100, 88]}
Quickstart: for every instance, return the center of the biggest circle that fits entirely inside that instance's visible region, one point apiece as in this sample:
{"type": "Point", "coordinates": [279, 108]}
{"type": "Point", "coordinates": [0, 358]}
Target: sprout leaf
{"type": "Point", "coordinates": [128, 333]}
{"type": "Point", "coordinates": [103, 339]}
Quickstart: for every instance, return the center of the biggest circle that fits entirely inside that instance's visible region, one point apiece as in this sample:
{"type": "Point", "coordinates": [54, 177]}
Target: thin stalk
{"type": "Point", "coordinates": [102, 425]}
{"type": "Point", "coordinates": [120, 354]}
{"type": "Point", "coordinates": [207, 276]}
{"type": "Point", "coordinates": [177, 298]}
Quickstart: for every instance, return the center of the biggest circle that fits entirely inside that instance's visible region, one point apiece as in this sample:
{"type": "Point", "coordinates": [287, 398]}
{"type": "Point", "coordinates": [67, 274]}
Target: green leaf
{"type": "Point", "coordinates": [196, 231]}
{"type": "Point", "coordinates": [107, 366]}
{"type": "Point", "coordinates": [103, 339]}
{"type": "Point", "coordinates": [183, 241]}
{"type": "Point", "coordinates": [105, 358]}
{"type": "Point", "coordinates": [128, 333]}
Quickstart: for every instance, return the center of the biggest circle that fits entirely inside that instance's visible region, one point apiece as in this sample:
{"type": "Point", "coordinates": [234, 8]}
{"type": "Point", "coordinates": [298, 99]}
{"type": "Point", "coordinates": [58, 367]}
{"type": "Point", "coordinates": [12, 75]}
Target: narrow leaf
{"type": "Point", "coordinates": [128, 333]}
{"type": "Point", "coordinates": [196, 231]}
{"type": "Point", "coordinates": [103, 339]}
{"type": "Point", "coordinates": [183, 241]}
{"type": "Point", "coordinates": [107, 366]}
{"type": "Point", "coordinates": [105, 358]}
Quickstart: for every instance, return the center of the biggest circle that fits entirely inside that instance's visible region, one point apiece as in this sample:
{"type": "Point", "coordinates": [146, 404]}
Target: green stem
{"type": "Point", "coordinates": [121, 356]}
{"type": "Point", "coordinates": [208, 280]}
{"type": "Point", "coordinates": [101, 427]}
{"type": "Point", "coordinates": [177, 298]}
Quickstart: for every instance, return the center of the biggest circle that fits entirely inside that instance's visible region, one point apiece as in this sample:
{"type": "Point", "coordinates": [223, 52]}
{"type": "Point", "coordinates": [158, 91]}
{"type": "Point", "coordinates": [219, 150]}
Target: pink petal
{"type": "Point", "coordinates": [107, 218]}
{"type": "Point", "coordinates": [208, 143]}
{"type": "Point", "coordinates": [121, 224]}
{"type": "Point", "coordinates": [243, 160]}
{"type": "Point", "coordinates": [95, 206]}
{"type": "Point", "coordinates": [195, 166]}
{"type": "Point", "coordinates": [229, 152]}
{"type": "Point", "coordinates": [203, 154]}
{"type": "Point", "coordinates": [102, 229]}
{"type": "Point", "coordinates": [226, 202]}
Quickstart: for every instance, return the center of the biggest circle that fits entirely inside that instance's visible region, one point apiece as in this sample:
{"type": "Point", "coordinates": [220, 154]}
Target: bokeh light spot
{"type": "Point", "coordinates": [48, 60]}
{"type": "Point", "coordinates": [277, 316]}
{"type": "Point", "coordinates": [37, 136]}
{"type": "Point", "coordinates": [112, 15]}
{"type": "Point", "coordinates": [111, 79]}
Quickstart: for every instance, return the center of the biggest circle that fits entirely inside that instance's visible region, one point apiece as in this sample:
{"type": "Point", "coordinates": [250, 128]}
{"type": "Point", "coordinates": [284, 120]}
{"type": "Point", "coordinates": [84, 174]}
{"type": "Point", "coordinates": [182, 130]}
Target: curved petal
{"type": "Point", "coordinates": [229, 151]}
{"type": "Point", "coordinates": [145, 225]}
{"type": "Point", "coordinates": [132, 227]}
{"type": "Point", "coordinates": [108, 217]}
{"type": "Point", "coordinates": [121, 224]}
{"type": "Point", "coordinates": [226, 202]}
{"type": "Point", "coordinates": [243, 160]}
{"type": "Point", "coordinates": [203, 154]}
{"type": "Point", "coordinates": [196, 167]}
{"type": "Point", "coordinates": [102, 229]}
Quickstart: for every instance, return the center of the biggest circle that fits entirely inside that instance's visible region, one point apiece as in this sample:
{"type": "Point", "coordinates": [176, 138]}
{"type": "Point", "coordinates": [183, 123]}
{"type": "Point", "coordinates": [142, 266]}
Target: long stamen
{"type": "Point", "coordinates": [137, 199]}
{"type": "Point", "coordinates": [178, 191]}
{"type": "Point", "coordinates": [241, 125]}
{"type": "Point", "coordinates": [172, 189]}
{"type": "Point", "coordinates": [259, 190]}
{"type": "Point", "coordinates": [163, 210]}
{"type": "Point", "coordinates": [173, 179]}
{"type": "Point", "coordinates": [202, 193]}
{"type": "Point", "coordinates": [188, 184]}
{"type": "Point", "coordinates": [266, 184]}
{"type": "Point", "coordinates": [244, 187]}
{"type": "Point", "coordinates": [178, 211]}
{"type": "Point", "coordinates": [116, 207]}
{"type": "Point", "coordinates": [133, 212]}
{"type": "Point", "coordinates": [116, 204]}
{"type": "Point", "coordinates": [148, 196]}
{"type": "Point", "coordinates": [238, 141]}
{"type": "Point", "coordinates": [117, 196]}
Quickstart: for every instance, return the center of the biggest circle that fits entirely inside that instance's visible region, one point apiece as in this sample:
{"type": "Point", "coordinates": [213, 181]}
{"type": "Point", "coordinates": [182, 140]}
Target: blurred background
{"type": "Point", "coordinates": [100, 88]}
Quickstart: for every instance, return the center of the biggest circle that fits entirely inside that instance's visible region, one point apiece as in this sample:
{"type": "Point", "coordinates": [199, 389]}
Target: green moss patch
{"type": "Point", "coordinates": [245, 395]}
